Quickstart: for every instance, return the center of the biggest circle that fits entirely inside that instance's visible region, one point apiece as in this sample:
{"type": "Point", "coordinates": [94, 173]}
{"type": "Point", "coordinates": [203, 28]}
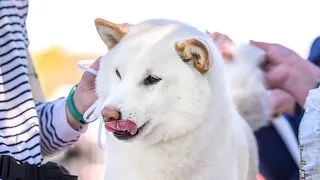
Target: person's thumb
{"type": "Point", "coordinates": [96, 64]}
{"type": "Point", "coordinates": [88, 79]}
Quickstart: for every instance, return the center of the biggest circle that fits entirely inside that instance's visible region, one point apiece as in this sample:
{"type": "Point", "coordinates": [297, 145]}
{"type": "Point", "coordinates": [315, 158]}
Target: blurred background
{"type": "Point", "coordinates": [62, 32]}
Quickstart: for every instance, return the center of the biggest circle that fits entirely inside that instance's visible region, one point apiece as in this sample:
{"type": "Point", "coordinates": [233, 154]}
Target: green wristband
{"type": "Point", "coordinates": [72, 107]}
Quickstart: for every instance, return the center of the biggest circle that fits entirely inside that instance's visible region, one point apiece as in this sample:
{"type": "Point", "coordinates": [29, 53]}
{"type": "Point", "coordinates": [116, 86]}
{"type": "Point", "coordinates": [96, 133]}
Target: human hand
{"type": "Point", "coordinates": [282, 103]}
{"type": "Point", "coordinates": [286, 70]}
{"type": "Point", "coordinates": [85, 94]}
{"type": "Point", "coordinates": [223, 42]}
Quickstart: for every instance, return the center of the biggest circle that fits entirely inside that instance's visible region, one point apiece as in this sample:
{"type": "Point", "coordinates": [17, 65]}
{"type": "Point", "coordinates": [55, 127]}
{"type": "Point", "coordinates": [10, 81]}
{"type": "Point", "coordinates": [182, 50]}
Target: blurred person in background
{"type": "Point", "coordinates": [272, 166]}
{"type": "Point", "coordinates": [293, 75]}
{"type": "Point", "coordinates": [280, 165]}
{"type": "Point", "coordinates": [284, 73]}
{"type": "Point", "coordinates": [31, 128]}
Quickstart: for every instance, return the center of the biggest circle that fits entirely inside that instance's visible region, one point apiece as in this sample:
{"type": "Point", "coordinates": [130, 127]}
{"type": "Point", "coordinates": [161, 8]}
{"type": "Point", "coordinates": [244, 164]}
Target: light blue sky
{"type": "Point", "coordinates": [69, 23]}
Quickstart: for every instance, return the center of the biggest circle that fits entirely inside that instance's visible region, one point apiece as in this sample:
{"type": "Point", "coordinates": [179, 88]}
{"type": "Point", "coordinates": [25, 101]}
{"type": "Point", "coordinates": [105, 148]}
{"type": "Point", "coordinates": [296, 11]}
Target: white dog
{"type": "Point", "coordinates": [177, 122]}
{"type": "Point", "coordinates": [247, 84]}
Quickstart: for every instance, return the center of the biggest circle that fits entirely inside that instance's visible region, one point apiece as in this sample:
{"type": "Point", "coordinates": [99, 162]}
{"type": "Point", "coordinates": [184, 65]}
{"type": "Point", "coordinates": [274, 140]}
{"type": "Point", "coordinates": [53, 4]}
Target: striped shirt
{"type": "Point", "coordinates": [29, 130]}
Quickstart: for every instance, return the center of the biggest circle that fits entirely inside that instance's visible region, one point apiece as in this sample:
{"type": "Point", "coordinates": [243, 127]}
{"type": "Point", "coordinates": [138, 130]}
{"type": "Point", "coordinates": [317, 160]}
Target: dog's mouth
{"type": "Point", "coordinates": [124, 129]}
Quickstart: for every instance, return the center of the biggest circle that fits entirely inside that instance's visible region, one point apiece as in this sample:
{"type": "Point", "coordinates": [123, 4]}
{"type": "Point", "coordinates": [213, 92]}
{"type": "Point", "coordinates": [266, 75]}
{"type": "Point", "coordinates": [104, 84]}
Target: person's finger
{"type": "Point", "coordinates": [95, 66]}
{"type": "Point", "coordinates": [271, 78]}
{"type": "Point", "coordinates": [272, 51]}
{"type": "Point", "coordinates": [218, 36]}
{"type": "Point", "coordinates": [88, 79]}
{"type": "Point", "coordinates": [221, 38]}
{"type": "Point", "coordinates": [213, 36]}
{"type": "Point", "coordinates": [267, 47]}
{"type": "Point", "coordinates": [282, 102]}
{"type": "Point", "coordinates": [263, 45]}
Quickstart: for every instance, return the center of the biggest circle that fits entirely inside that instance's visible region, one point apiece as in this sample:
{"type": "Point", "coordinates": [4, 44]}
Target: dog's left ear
{"type": "Point", "coordinates": [194, 51]}
{"type": "Point", "coordinates": [111, 33]}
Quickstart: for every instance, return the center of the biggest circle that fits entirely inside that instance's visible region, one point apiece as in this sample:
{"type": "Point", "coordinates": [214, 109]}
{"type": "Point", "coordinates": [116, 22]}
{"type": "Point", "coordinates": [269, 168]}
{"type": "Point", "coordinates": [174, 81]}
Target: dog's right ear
{"type": "Point", "coordinates": [194, 51]}
{"type": "Point", "coordinates": [109, 32]}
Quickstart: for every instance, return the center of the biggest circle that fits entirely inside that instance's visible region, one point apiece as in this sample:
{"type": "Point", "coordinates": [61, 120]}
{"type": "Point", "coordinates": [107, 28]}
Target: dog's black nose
{"type": "Point", "coordinates": [110, 114]}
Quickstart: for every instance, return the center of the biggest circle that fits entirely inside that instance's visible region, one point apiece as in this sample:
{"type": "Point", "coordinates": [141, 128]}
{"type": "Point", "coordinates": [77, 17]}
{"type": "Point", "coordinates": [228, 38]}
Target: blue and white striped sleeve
{"type": "Point", "coordinates": [55, 131]}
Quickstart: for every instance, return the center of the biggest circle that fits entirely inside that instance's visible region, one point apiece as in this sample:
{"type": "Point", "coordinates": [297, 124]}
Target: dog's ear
{"type": "Point", "coordinates": [109, 32]}
{"type": "Point", "coordinates": [194, 51]}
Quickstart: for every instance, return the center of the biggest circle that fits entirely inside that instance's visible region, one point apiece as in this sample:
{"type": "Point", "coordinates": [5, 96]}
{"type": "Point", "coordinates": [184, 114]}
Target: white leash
{"type": "Point", "coordinates": [287, 135]}
{"type": "Point", "coordinates": [81, 66]}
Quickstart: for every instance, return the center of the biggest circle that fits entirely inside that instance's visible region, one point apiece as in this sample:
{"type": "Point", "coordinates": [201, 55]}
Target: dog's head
{"type": "Point", "coordinates": [245, 57]}
{"type": "Point", "coordinates": [157, 74]}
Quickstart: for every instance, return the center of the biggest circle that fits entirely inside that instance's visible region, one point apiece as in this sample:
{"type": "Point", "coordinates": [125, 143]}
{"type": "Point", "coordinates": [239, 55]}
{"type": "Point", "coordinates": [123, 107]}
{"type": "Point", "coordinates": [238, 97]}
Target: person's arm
{"type": "Point", "coordinates": [57, 130]}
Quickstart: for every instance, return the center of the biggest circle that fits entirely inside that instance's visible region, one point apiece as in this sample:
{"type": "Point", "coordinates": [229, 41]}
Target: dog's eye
{"type": "Point", "coordinates": [151, 80]}
{"type": "Point", "coordinates": [118, 74]}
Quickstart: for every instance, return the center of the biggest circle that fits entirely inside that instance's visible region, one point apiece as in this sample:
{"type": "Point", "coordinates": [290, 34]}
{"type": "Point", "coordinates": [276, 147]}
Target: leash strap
{"type": "Point", "coordinates": [81, 66]}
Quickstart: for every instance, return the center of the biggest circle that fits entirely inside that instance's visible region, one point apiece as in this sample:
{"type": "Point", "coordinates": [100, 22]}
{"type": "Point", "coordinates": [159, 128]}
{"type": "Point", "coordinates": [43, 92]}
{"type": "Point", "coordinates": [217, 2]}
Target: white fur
{"type": "Point", "coordinates": [194, 130]}
{"type": "Point", "coordinates": [247, 85]}
{"type": "Point", "coordinates": [249, 94]}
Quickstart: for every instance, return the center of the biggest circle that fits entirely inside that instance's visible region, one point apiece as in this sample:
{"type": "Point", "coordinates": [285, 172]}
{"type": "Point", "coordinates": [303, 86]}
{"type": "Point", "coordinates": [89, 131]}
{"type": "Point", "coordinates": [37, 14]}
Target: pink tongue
{"type": "Point", "coordinates": [121, 125]}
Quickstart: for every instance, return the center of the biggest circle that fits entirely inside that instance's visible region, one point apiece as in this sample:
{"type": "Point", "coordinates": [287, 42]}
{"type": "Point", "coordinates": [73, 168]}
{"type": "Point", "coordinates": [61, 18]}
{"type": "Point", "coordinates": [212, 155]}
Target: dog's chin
{"type": "Point", "coordinates": [127, 137]}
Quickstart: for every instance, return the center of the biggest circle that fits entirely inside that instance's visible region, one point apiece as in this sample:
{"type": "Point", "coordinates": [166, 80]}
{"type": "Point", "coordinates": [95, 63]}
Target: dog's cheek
{"type": "Point", "coordinates": [105, 81]}
{"type": "Point", "coordinates": [156, 107]}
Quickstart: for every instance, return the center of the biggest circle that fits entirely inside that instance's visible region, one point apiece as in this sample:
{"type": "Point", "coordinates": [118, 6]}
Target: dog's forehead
{"type": "Point", "coordinates": [149, 35]}
{"type": "Point", "coordinates": [153, 40]}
